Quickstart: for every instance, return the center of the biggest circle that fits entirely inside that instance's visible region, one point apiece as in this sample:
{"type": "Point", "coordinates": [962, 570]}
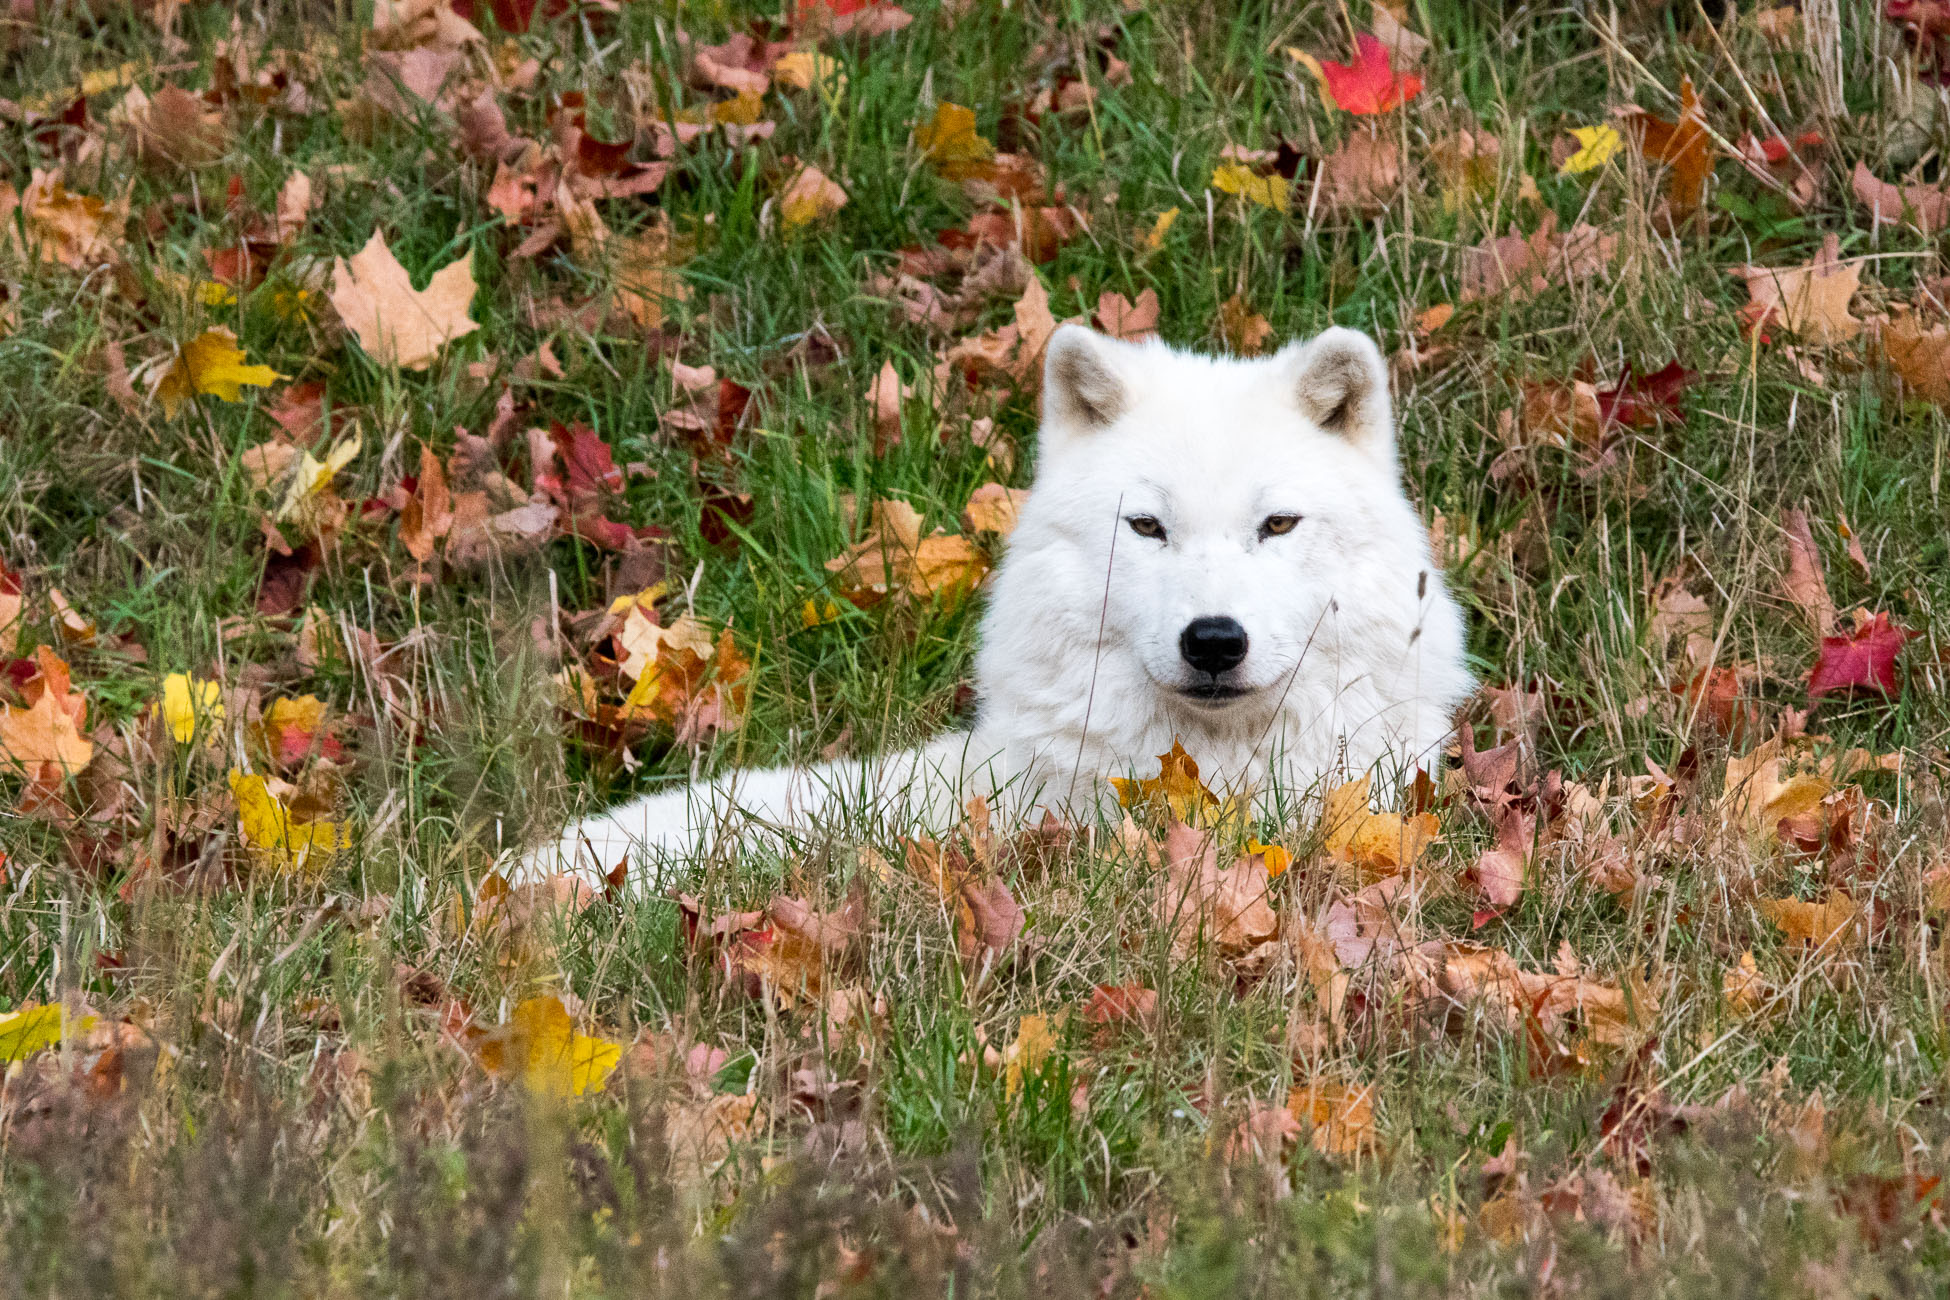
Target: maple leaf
{"type": "Point", "coordinates": [540, 1045]}
{"type": "Point", "coordinates": [1269, 191]}
{"type": "Point", "coordinates": [895, 556]}
{"type": "Point", "coordinates": [429, 514]}
{"type": "Point", "coordinates": [1812, 300]}
{"type": "Point", "coordinates": [175, 127]}
{"type": "Point", "coordinates": [1364, 174]}
{"type": "Point", "coordinates": [188, 701]}
{"type": "Point", "coordinates": [1112, 1006]}
{"type": "Point", "coordinates": [1865, 659]}
{"type": "Point", "coordinates": [293, 728]}
{"type": "Point", "coordinates": [395, 323]}
{"type": "Point", "coordinates": [1684, 145]}
{"type": "Point", "coordinates": [1339, 1120]}
{"type": "Point", "coordinates": [993, 508]}
{"type": "Point", "coordinates": [1920, 357]}
{"type": "Point", "coordinates": [30, 1028]}
{"type": "Point", "coordinates": [1243, 330]}
{"type": "Point", "coordinates": [700, 1134]}
{"type": "Point", "coordinates": [1642, 401]}
{"type": "Point", "coordinates": [1033, 1043]}
{"type": "Point", "coordinates": [1521, 266]}
{"type": "Point", "coordinates": [1835, 920]}
{"type": "Point", "coordinates": [1121, 318]}
{"type": "Point", "coordinates": [1175, 793]}
{"type": "Point", "coordinates": [45, 739]}
{"type": "Point", "coordinates": [952, 145]}
{"type": "Point", "coordinates": [1370, 84]}
{"type": "Point", "coordinates": [646, 284]}
{"type": "Point", "coordinates": [1202, 903]}
{"type": "Point", "coordinates": [1376, 844]}
{"type": "Point", "coordinates": [1760, 795]}
{"type": "Point", "coordinates": [209, 363]}
{"type": "Point", "coordinates": [811, 196]}
{"type": "Point", "coordinates": [275, 836]}
{"type": "Point", "coordinates": [1597, 145]}
{"type": "Point", "coordinates": [1925, 207]}
{"type": "Point", "coordinates": [79, 231]}
{"type": "Point", "coordinates": [804, 69]}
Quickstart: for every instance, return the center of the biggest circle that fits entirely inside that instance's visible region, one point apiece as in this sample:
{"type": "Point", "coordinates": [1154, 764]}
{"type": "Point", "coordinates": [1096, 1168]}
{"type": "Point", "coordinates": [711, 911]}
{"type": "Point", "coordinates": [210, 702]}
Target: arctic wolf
{"type": "Point", "coordinates": [1215, 551]}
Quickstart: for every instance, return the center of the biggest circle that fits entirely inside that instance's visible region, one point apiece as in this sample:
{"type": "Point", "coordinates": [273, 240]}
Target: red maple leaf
{"type": "Point", "coordinates": [1866, 659]}
{"type": "Point", "coordinates": [1369, 84]}
{"type": "Point", "coordinates": [1641, 401]}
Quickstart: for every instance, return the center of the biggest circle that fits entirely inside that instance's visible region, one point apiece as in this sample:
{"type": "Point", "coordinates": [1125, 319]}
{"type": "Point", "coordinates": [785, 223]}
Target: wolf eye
{"type": "Point", "coordinates": [1146, 526]}
{"type": "Point", "coordinates": [1278, 525]}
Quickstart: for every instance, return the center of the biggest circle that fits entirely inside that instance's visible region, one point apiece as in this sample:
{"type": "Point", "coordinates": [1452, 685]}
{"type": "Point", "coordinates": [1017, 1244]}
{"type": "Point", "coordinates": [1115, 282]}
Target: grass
{"type": "Point", "coordinates": [279, 1097]}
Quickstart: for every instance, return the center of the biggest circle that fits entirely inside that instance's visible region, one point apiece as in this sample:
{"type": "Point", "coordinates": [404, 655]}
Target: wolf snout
{"type": "Point", "coordinates": [1213, 644]}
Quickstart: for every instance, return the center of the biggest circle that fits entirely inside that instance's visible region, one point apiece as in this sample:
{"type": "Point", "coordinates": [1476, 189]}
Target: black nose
{"type": "Point", "coordinates": [1213, 645]}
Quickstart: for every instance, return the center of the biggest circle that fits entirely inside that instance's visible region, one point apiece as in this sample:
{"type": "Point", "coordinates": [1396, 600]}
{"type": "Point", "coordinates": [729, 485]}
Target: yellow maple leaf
{"type": "Point", "coordinates": [1836, 920]}
{"type": "Point", "coordinates": [31, 1028]}
{"type": "Point", "coordinates": [804, 69]}
{"type": "Point", "coordinates": [274, 835]}
{"type": "Point", "coordinates": [1596, 146]}
{"type": "Point", "coordinates": [1376, 844]}
{"type": "Point", "coordinates": [1034, 1041]}
{"type": "Point", "coordinates": [315, 476]}
{"type": "Point", "coordinates": [952, 144]}
{"type": "Point", "coordinates": [210, 363]}
{"type": "Point", "coordinates": [540, 1045]}
{"type": "Point", "coordinates": [188, 700]}
{"type": "Point", "coordinates": [1275, 856]}
{"type": "Point", "coordinates": [1269, 191]}
{"type": "Point", "coordinates": [1176, 791]}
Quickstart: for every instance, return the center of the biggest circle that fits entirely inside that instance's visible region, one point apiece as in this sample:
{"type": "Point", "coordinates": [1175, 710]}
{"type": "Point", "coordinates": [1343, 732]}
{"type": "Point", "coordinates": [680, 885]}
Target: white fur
{"type": "Point", "coordinates": [1355, 658]}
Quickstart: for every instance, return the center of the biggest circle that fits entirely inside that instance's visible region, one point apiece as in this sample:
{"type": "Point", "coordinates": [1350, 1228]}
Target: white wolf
{"type": "Point", "coordinates": [1214, 551]}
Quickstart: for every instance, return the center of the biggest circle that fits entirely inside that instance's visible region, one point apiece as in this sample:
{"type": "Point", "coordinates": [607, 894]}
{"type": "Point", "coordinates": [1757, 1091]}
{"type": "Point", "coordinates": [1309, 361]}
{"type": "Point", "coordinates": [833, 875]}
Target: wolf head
{"type": "Point", "coordinates": [1212, 540]}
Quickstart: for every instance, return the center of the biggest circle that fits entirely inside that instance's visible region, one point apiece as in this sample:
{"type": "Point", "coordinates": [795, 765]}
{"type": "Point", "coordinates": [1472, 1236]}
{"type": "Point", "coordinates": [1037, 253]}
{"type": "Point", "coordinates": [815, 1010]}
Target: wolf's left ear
{"type": "Point", "coordinates": [1341, 384]}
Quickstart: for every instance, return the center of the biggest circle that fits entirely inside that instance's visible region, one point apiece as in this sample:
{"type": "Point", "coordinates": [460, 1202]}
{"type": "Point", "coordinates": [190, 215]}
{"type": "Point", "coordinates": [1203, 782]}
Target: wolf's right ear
{"type": "Point", "coordinates": [1083, 388]}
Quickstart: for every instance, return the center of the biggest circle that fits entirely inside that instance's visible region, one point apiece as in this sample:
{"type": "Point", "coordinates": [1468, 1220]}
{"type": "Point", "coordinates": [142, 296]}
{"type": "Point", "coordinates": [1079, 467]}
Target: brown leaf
{"type": "Point", "coordinates": [1242, 329]}
{"type": "Point", "coordinates": [1803, 583]}
{"type": "Point", "coordinates": [1204, 904]}
{"type": "Point", "coordinates": [429, 513]}
{"type": "Point", "coordinates": [1925, 207]}
{"type": "Point", "coordinates": [1121, 318]}
{"type": "Point", "coordinates": [1810, 301]}
{"type": "Point", "coordinates": [1364, 174]}
{"type": "Point", "coordinates": [395, 323]}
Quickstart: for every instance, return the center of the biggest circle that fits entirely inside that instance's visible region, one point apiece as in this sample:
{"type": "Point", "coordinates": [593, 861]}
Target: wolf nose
{"type": "Point", "coordinates": [1213, 645]}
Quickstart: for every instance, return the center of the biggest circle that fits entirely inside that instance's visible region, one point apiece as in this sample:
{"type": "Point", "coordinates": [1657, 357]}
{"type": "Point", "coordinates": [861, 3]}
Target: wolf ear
{"type": "Point", "coordinates": [1083, 387]}
{"type": "Point", "coordinates": [1341, 384]}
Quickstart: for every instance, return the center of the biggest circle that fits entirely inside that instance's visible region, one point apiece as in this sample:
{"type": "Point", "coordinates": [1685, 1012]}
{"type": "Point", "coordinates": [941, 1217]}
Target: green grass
{"type": "Point", "coordinates": [289, 1120]}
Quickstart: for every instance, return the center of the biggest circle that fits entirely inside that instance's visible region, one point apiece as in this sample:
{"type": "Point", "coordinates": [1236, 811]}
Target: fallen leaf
{"type": "Point", "coordinates": [803, 69]}
{"type": "Point", "coordinates": [79, 231]}
{"type": "Point", "coordinates": [46, 739]}
{"type": "Point", "coordinates": [1121, 318]}
{"type": "Point", "coordinates": [1836, 920]}
{"type": "Point", "coordinates": [31, 1028]}
{"type": "Point", "coordinates": [1919, 356]}
{"type": "Point", "coordinates": [993, 508]}
{"type": "Point", "coordinates": [1154, 238]}
{"type": "Point", "coordinates": [1597, 145]}
{"type": "Point", "coordinates": [1803, 583]}
{"type": "Point", "coordinates": [1203, 904]}
{"type": "Point", "coordinates": [1364, 174]}
{"type": "Point", "coordinates": [700, 1134]}
{"type": "Point", "coordinates": [894, 556]}
{"type": "Point", "coordinates": [275, 836]}
{"type": "Point", "coordinates": [1026, 1054]}
{"type": "Point", "coordinates": [1684, 145]}
{"type": "Point", "coordinates": [541, 1046]}
{"type": "Point", "coordinates": [188, 701]}
{"type": "Point", "coordinates": [1643, 401]}
{"type": "Point", "coordinates": [811, 196]}
{"type": "Point", "coordinates": [1810, 301]}
{"type": "Point", "coordinates": [1269, 191]}
{"type": "Point", "coordinates": [1175, 793]}
{"type": "Point", "coordinates": [395, 323]}
{"type": "Point", "coordinates": [1375, 844]}
{"type": "Point", "coordinates": [1243, 330]}
{"type": "Point", "coordinates": [951, 143]}
{"type": "Point", "coordinates": [210, 363]}
{"type": "Point", "coordinates": [1925, 207]}
{"type": "Point", "coordinates": [1339, 1120]}
{"type": "Point", "coordinates": [1865, 659]}
{"type": "Point", "coordinates": [1370, 84]}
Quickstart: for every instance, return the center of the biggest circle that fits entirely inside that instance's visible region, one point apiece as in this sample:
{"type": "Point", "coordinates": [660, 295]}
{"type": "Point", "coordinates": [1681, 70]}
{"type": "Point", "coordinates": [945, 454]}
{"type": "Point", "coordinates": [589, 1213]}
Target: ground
{"type": "Point", "coordinates": [418, 425]}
